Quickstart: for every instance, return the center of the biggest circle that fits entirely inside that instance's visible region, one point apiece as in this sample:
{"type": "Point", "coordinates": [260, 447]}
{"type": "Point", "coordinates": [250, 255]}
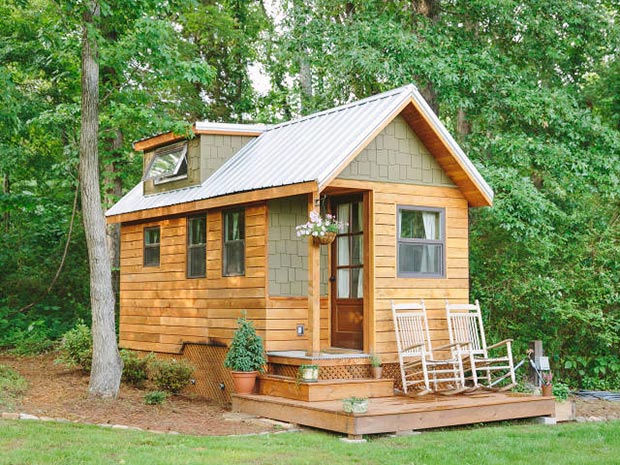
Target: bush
{"type": "Point", "coordinates": [560, 391]}
{"type": "Point", "coordinates": [12, 386]}
{"type": "Point", "coordinates": [135, 368]}
{"type": "Point", "coordinates": [171, 375]}
{"type": "Point", "coordinates": [32, 341]}
{"type": "Point", "coordinates": [246, 349]}
{"type": "Point", "coordinates": [76, 348]}
{"type": "Point", "coordinates": [155, 398]}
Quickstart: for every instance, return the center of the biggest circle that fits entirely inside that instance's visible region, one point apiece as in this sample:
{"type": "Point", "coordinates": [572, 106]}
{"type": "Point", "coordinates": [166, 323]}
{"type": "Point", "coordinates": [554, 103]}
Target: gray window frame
{"type": "Point", "coordinates": [195, 246]}
{"type": "Point", "coordinates": [224, 241]}
{"type": "Point", "coordinates": [442, 241]}
{"type": "Point", "coordinates": [146, 246]}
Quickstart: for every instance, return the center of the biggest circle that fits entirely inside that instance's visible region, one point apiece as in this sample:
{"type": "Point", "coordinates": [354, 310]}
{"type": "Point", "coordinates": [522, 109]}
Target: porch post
{"type": "Point", "coordinates": [314, 287]}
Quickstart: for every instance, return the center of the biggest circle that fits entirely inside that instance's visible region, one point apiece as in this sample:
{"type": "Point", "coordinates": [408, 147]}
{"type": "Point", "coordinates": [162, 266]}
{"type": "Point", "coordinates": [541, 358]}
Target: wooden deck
{"type": "Point", "coordinates": [397, 413]}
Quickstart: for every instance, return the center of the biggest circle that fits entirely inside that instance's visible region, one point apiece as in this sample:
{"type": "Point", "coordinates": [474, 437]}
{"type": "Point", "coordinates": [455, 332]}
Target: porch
{"type": "Point", "coordinates": [397, 413]}
{"type": "Point", "coordinates": [280, 396]}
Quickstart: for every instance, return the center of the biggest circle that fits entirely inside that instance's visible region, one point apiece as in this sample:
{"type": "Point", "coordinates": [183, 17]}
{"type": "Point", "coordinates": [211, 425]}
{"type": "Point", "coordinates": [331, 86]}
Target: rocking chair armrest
{"type": "Point", "coordinates": [505, 342]}
{"type": "Point", "coordinates": [415, 346]}
{"type": "Point", "coordinates": [458, 345]}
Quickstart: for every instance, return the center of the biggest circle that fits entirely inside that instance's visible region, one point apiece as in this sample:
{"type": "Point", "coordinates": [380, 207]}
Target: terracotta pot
{"type": "Point", "coordinates": [376, 372]}
{"type": "Point", "coordinates": [547, 390]}
{"type": "Point", "coordinates": [244, 381]}
{"type": "Point", "coordinates": [328, 238]}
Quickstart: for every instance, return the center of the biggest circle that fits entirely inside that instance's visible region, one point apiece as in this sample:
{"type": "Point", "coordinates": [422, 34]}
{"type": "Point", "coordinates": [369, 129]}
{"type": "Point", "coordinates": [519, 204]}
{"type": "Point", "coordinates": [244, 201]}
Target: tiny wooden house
{"type": "Point", "coordinates": [210, 234]}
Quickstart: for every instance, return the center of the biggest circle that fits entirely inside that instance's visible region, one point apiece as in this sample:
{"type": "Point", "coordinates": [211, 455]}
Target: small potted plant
{"type": "Point", "coordinates": [355, 404]}
{"type": "Point", "coordinates": [308, 373]}
{"type": "Point", "coordinates": [323, 230]}
{"type": "Point", "coordinates": [547, 385]}
{"type": "Point", "coordinates": [245, 357]}
{"type": "Point", "coordinates": [375, 364]}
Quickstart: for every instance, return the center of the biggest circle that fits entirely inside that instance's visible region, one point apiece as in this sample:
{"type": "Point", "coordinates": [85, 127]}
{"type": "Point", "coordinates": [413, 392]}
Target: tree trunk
{"type": "Point", "coordinates": [305, 80]}
{"type": "Point", "coordinates": [430, 9]}
{"type": "Point", "coordinates": [113, 189]}
{"type": "Point", "coordinates": [107, 367]}
{"type": "Point", "coordinates": [463, 127]}
{"type": "Point", "coordinates": [6, 189]}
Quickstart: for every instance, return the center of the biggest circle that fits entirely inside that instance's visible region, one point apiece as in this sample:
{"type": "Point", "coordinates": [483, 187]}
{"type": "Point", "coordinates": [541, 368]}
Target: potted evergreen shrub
{"type": "Point", "coordinates": [245, 357]}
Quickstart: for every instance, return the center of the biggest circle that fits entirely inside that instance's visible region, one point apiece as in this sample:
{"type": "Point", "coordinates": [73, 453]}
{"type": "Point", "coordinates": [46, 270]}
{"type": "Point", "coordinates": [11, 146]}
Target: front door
{"type": "Point", "coordinates": [347, 275]}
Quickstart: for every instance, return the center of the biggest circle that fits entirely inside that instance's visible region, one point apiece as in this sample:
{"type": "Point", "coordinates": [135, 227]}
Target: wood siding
{"type": "Point", "coordinates": [161, 308]}
{"type": "Point", "coordinates": [455, 285]}
{"type": "Point", "coordinates": [283, 316]}
{"type": "Point", "coordinates": [387, 285]}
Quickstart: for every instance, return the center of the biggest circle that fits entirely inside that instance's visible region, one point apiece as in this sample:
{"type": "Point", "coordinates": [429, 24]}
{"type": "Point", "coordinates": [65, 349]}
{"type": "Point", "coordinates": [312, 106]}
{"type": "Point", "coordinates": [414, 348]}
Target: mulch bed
{"type": "Point", "coordinates": [57, 392]}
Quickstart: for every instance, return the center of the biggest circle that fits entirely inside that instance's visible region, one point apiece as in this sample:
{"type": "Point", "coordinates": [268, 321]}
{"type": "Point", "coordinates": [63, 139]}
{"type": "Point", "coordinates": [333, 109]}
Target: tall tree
{"type": "Point", "coordinates": [105, 375]}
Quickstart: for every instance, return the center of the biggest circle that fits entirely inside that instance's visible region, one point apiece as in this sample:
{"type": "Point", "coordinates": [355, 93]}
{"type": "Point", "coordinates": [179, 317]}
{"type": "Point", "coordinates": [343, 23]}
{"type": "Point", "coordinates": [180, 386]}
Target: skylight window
{"type": "Point", "coordinates": [169, 164]}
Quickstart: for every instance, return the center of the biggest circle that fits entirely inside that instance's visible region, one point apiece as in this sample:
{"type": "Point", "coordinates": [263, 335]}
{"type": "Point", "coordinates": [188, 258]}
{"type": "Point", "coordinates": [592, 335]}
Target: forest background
{"type": "Point", "coordinates": [530, 89]}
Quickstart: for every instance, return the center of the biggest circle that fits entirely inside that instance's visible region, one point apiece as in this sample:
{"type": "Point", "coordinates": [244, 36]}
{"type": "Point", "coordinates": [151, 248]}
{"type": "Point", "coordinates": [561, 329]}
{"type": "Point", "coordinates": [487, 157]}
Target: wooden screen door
{"type": "Point", "coordinates": [347, 275]}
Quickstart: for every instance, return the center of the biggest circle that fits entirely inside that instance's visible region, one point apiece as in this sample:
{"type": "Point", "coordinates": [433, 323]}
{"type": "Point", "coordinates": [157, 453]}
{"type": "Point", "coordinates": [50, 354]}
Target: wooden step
{"type": "Point", "coordinates": [332, 389]}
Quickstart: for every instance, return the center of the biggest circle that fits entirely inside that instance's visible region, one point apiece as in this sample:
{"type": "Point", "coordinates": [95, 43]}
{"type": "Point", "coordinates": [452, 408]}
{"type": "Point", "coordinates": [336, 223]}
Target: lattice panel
{"type": "Point", "coordinates": [390, 370]}
{"type": "Point", "coordinates": [283, 370]}
{"type": "Point", "coordinates": [208, 361]}
{"type": "Point", "coordinates": [345, 372]}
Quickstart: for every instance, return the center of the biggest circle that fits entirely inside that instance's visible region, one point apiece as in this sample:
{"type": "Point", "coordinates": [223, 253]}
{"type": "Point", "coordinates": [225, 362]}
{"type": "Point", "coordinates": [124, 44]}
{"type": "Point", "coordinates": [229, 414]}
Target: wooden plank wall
{"type": "Point", "coordinates": [283, 315]}
{"type": "Point", "coordinates": [161, 308]}
{"type": "Point", "coordinates": [455, 286]}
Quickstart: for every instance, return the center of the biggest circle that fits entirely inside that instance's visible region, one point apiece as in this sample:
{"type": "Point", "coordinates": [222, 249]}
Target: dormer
{"type": "Point", "coordinates": [174, 162]}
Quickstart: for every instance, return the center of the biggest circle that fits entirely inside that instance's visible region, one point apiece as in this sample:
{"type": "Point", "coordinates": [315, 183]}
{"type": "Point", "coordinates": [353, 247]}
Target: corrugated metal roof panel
{"type": "Point", "coordinates": [311, 148]}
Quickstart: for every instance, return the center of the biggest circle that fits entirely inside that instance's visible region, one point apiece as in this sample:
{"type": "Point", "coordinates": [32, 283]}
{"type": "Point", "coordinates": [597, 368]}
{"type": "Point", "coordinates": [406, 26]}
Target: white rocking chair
{"type": "Point", "coordinates": [465, 326]}
{"type": "Point", "coordinates": [418, 367]}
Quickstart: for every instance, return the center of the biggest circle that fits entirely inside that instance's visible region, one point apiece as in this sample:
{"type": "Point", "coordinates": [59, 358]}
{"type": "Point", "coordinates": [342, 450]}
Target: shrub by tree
{"type": "Point", "coordinates": [155, 398]}
{"type": "Point", "coordinates": [135, 368]}
{"type": "Point", "coordinates": [76, 347]}
{"type": "Point", "coordinates": [171, 375]}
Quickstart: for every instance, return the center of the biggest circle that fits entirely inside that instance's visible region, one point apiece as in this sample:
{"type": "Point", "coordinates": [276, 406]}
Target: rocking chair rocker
{"type": "Point", "coordinates": [418, 366]}
{"type": "Point", "coordinates": [465, 326]}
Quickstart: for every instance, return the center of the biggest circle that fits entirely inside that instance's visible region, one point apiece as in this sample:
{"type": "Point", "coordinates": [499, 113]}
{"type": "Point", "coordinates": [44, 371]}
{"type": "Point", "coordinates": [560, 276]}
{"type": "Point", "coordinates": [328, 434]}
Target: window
{"type": "Point", "coordinates": [151, 246]}
{"type": "Point", "coordinates": [196, 247]}
{"type": "Point", "coordinates": [421, 242]}
{"type": "Point", "coordinates": [233, 250]}
{"type": "Point", "coordinates": [168, 164]}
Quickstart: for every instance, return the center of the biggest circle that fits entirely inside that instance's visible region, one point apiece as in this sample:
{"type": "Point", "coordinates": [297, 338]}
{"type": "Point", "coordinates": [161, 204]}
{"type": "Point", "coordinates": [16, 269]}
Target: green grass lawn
{"type": "Point", "coordinates": [28, 442]}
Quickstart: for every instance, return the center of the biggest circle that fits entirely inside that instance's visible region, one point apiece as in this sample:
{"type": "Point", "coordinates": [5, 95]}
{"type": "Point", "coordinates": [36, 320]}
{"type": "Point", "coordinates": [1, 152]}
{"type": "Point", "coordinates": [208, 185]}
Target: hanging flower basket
{"type": "Point", "coordinates": [326, 239]}
{"type": "Point", "coordinates": [323, 230]}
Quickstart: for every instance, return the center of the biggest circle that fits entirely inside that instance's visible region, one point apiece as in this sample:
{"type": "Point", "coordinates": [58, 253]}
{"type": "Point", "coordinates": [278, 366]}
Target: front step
{"type": "Point", "coordinates": [329, 389]}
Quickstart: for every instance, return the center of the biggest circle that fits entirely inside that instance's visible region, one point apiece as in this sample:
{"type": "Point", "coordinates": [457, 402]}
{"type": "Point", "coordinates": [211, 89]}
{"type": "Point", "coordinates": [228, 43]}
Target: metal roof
{"type": "Point", "coordinates": [312, 148]}
{"type": "Point", "coordinates": [230, 128]}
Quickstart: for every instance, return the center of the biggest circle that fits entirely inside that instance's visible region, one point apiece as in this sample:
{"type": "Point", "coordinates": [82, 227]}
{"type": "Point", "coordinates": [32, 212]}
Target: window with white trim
{"type": "Point", "coordinates": [168, 164]}
{"type": "Point", "coordinates": [421, 242]}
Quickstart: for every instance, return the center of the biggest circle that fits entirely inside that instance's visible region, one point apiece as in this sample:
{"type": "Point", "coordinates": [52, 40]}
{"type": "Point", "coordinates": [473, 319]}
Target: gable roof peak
{"type": "Point", "coordinates": [408, 89]}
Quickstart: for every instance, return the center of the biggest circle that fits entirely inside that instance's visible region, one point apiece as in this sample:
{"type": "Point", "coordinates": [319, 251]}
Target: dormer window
{"type": "Point", "coordinates": [168, 164]}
